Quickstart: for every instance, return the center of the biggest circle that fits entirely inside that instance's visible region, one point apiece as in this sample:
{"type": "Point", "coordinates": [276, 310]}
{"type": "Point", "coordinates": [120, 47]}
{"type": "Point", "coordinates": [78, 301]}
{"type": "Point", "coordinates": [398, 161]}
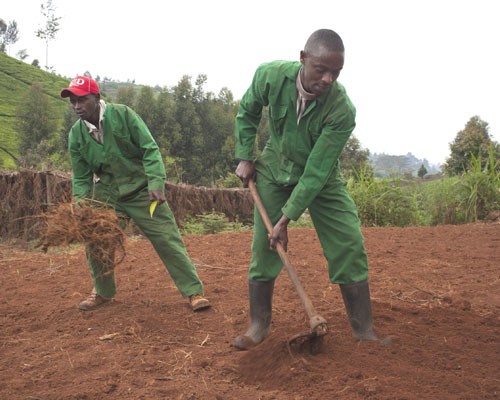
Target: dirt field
{"type": "Point", "coordinates": [435, 292]}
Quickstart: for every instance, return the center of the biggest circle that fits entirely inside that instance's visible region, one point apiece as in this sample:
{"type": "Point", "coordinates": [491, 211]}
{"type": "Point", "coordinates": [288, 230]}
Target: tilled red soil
{"type": "Point", "coordinates": [435, 292]}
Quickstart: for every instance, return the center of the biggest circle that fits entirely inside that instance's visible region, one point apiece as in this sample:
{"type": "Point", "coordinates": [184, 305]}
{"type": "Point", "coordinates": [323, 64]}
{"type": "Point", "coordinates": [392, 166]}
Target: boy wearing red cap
{"type": "Point", "coordinates": [116, 160]}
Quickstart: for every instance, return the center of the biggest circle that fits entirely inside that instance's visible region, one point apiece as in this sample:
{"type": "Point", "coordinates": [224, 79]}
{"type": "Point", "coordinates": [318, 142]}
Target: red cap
{"type": "Point", "coordinates": [81, 86]}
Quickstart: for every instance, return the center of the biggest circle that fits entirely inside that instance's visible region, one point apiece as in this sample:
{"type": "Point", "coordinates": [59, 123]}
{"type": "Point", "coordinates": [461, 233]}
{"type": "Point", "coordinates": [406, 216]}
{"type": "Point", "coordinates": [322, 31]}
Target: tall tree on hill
{"type": "Point", "coordinates": [227, 144]}
{"type": "Point", "coordinates": [61, 156]}
{"type": "Point", "coordinates": [22, 54]}
{"type": "Point", "coordinates": [3, 29]}
{"type": "Point", "coordinates": [9, 34]}
{"type": "Point", "coordinates": [189, 148]}
{"type": "Point", "coordinates": [48, 33]}
{"type": "Point", "coordinates": [217, 119]}
{"type": "Point", "coordinates": [167, 129]}
{"type": "Point", "coordinates": [145, 106]}
{"type": "Point", "coordinates": [36, 123]}
{"type": "Point", "coordinates": [354, 158]}
{"type": "Point", "coordinates": [473, 141]}
{"type": "Point", "coordinates": [126, 95]}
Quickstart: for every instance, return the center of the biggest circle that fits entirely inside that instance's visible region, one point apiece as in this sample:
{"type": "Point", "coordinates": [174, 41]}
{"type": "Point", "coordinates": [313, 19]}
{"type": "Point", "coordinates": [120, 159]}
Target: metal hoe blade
{"type": "Point", "coordinates": [310, 342]}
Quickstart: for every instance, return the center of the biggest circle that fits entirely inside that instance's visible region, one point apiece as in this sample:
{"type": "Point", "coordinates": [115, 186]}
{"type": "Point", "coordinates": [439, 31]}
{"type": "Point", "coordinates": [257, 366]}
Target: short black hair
{"type": "Point", "coordinates": [326, 38]}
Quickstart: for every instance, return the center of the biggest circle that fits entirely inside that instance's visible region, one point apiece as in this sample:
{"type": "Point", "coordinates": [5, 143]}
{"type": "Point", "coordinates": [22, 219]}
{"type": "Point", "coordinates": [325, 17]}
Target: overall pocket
{"type": "Point", "coordinates": [277, 118]}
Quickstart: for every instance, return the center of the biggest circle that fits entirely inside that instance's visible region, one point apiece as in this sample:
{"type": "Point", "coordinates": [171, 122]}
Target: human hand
{"type": "Point", "coordinates": [157, 195]}
{"type": "Point", "coordinates": [280, 233]}
{"type": "Point", "coordinates": [245, 171]}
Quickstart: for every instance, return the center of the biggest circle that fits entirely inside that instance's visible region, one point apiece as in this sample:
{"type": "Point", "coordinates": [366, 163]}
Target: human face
{"type": "Point", "coordinates": [86, 107]}
{"type": "Point", "coordinates": [320, 69]}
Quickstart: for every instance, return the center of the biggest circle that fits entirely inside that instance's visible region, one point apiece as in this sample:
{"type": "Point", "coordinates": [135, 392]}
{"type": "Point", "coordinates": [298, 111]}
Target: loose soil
{"type": "Point", "coordinates": [435, 292]}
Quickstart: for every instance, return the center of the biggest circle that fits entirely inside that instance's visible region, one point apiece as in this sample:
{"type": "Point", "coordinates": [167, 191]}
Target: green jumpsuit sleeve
{"type": "Point", "coordinates": [151, 156]}
{"type": "Point", "coordinates": [249, 115]}
{"type": "Point", "coordinates": [81, 181]}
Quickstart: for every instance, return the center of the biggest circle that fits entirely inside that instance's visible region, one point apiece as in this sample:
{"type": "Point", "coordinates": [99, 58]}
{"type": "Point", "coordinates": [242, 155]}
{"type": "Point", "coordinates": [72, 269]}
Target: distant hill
{"type": "Point", "coordinates": [385, 165]}
{"type": "Point", "coordinates": [16, 77]}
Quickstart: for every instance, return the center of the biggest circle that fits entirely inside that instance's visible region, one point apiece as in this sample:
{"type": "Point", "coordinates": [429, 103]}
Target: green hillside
{"type": "Point", "coordinates": [16, 77]}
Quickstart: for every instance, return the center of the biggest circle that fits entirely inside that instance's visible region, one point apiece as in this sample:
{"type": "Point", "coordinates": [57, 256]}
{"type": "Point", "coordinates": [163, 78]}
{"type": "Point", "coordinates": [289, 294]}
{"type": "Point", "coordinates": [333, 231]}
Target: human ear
{"type": "Point", "coordinates": [302, 56]}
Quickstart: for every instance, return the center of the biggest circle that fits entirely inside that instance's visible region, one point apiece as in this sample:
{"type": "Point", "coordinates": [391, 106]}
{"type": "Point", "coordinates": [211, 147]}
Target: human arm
{"type": "Point", "coordinates": [82, 174]}
{"type": "Point", "coordinates": [247, 123]}
{"type": "Point", "coordinates": [152, 161]}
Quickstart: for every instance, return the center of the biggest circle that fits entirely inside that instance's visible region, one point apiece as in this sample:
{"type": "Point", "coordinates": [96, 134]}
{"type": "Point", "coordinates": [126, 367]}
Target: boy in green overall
{"type": "Point", "coordinates": [115, 160]}
{"type": "Point", "coordinates": [310, 120]}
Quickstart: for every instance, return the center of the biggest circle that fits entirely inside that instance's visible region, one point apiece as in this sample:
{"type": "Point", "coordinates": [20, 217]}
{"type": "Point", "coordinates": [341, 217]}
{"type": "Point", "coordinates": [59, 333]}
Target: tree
{"type": "Point", "coordinates": [9, 34]}
{"type": "Point", "coordinates": [167, 129]}
{"type": "Point", "coordinates": [473, 141]}
{"type": "Point", "coordinates": [125, 95]}
{"type": "Point", "coordinates": [145, 106]}
{"type": "Point", "coordinates": [59, 141]}
{"type": "Point", "coordinates": [22, 54]}
{"type": "Point", "coordinates": [217, 121]}
{"type": "Point", "coordinates": [354, 158]}
{"type": "Point", "coordinates": [35, 119]}
{"type": "Point", "coordinates": [422, 171]}
{"type": "Point", "coordinates": [189, 147]}
{"type": "Point", "coordinates": [51, 27]}
{"type": "Point", "coordinates": [385, 165]}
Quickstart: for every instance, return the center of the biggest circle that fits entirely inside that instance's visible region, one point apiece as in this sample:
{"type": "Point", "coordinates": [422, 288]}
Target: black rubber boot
{"type": "Point", "coordinates": [261, 304]}
{"type": "Point", "coordinates": [359, 310]}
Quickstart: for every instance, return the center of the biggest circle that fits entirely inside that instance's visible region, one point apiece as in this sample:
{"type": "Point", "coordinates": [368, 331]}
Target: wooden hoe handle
{"type": "Point", "coordinates": [311, 312]}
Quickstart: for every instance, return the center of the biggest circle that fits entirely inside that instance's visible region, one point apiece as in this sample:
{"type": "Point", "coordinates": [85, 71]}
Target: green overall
{"type": "Point", "coordinates": [129, 165]}
{"type": "Point", "coordinates": [298, 170]}
{"type": "Point", "coordinates": [336, 221]}
{"type": "Point", "coordinates": [163, 233]}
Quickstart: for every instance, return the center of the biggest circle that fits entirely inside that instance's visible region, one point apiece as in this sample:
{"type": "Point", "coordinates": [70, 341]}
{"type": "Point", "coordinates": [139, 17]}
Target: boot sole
{"type": "Point", "coordinates": [202, 305]}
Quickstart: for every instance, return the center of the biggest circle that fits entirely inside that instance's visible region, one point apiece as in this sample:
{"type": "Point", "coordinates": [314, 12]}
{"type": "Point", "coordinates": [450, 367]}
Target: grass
{"type": "Point", "coordinates": [209, 223]}
{"type": "Point", "coordinates": [16, 78]}
{"type": "Point", "coordinates": [393, 202]}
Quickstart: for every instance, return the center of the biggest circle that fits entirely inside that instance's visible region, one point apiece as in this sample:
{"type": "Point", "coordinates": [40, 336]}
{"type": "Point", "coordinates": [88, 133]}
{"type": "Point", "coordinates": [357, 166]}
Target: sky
{"type": "Point", "coordinates": [416, 71]}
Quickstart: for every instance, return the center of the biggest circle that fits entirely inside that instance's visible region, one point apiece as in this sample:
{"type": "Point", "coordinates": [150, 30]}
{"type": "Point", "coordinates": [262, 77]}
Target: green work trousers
{"type": "Point", "coordinates": [335, 218]}
{"type": "Point", "coordinates": [162, 232]}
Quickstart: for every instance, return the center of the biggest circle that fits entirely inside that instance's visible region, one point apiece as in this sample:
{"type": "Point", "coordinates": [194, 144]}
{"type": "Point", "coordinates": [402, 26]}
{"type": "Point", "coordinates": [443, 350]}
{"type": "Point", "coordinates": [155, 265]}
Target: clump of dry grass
{"type": "Point", "coordinates": [89, 222]}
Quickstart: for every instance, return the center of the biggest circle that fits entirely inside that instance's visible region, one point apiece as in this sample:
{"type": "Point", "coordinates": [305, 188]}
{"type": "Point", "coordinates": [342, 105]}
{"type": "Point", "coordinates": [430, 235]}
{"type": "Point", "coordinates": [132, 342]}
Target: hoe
{"type": "Point", "coordinates": [309, 341]}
